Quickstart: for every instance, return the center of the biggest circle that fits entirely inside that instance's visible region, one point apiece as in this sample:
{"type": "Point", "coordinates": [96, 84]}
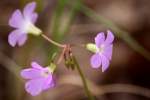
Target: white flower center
{"type": "Point", "coordinates": [46, 72]}
{"type": "Point", "coordinates": [100, 49]}
{"type": "Point", "coordinates": [31, 28]}
{"type": "Point", "coordinates": [26, 25]}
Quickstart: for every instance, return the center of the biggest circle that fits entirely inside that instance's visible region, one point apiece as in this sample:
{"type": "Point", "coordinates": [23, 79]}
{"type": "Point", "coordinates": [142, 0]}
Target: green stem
{"type": "Point", "coordinates": [83, 79]}
{"type": "Point", "coordinates": [76, 64]}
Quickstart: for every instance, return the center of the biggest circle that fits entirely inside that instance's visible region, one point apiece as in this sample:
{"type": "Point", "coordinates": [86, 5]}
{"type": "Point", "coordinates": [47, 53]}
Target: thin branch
{"type": "Point", "coordinates": [10, 65]}
{"type": "Point", "coordinates": [53, 42]}
{"type": "Point", "coordinates": [104, 89]}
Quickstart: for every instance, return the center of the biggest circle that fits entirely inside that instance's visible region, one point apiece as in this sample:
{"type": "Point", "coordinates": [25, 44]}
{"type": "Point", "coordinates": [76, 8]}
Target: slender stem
{"type": "Point", "coordinates": [53, 42]}
{"type": "Point", "coordinates": [58, 44]}
{"type": "Point", "coordinates": [83, 79]}
{"type": "Point", "coordinates": [76, 64]}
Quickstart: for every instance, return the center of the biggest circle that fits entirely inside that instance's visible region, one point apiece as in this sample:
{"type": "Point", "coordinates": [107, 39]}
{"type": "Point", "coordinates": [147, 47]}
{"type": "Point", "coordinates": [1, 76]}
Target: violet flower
{"type": "Point", "coordinates": [39, 78]}
{"type": "Point", "coordinates": [23, 24]}
{"type": "Point", "coordinates": [102, 49]}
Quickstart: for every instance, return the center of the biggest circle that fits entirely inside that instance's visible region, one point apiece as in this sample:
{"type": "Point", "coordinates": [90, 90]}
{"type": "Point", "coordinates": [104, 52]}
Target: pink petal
{"type": "Point", "coordinates": [36, 65]}
{"type": "Point", "coordinates": [110, 37]}
{"type": "Point", "coordinates": [31, 73]}
{"type": "Point", "coordinates": [96, 61]}
{"type": "Point", "coordinates": [13, 37]}
{"type": "Point", "coordinates": [34, 18]}
{"type": "Point", "coordinates": [29, 10]}
{"type": "Point", "coordinates": [105, 63]}
{"type": "Point", "coordinates": [108, 51]}
{"type": "Point", "coordinates": [16, 20]}
{"type": "Point", "coordinates": [35, 86]}
{"type": "Point", "coordinates": [22, 39]}
{"type": "Point", "coordinates": [48, 83]}
{"type": "Point", "coordinates": [99, 39]}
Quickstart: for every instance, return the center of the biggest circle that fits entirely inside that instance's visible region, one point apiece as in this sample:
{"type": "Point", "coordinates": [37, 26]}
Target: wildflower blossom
{"type": "Point", "coordinates": [39, 78]}
{"type": "Point", "coordinates": [102, 49]}
{"type": "Point", "coordinates": [23, 24]}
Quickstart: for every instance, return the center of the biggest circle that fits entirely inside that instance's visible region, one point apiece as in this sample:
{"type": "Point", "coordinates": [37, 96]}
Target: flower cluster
{"type": "Point", "coordinates": [41, 78]}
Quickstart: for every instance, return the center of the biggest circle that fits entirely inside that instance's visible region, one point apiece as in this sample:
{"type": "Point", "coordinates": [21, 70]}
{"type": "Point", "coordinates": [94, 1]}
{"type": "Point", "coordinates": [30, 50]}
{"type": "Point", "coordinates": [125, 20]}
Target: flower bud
{"type": "Point", "coordinates": [91, 47]}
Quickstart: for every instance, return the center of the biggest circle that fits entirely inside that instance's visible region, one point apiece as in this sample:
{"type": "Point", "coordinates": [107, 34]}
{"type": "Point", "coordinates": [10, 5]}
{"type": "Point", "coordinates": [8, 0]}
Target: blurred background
{"type": "Point", "coordinates": [64, 21]}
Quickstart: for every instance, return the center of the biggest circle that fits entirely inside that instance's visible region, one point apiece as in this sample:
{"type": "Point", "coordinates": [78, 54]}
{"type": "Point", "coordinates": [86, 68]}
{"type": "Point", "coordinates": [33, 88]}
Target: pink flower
{"type": "Point", "coordinates": [23, 24]}
{"type": "Point", "coordinates": [102, 49]}
{"type": "Point", "coordinates": [39, 79]}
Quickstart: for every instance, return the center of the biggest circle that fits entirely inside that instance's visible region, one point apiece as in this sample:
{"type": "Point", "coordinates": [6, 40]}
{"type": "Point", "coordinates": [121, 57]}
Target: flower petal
{"type": "Point", "coordinates": [96, 61]}
{"type": "Point", "coordinates": [99, 39]}
{"type": "Point", "coordinates": [31, 73]}
{"type": "Point", "coordinates": [110, 37]}
{"type": "Point", "coordinates": [13, 37]}
{"type": "Point", "coordinates": [108, 51]}
{"type": "Point", "coordinates": [34, 87]}
{"type": "Point", "coordinates": [48, 83]}
{"type": "Point", "coordinates": [16, 20]}
{"type": "Point", "coordinates": [34, 18]}
{"type": "Point", "coordinates": [105, 63]}
{"type": "Point", "coordinates": [22, 39]}
{"type": "Point", "coordinates": [36, 65]}
{"type": "Point", "coordinates": [29, 10]}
